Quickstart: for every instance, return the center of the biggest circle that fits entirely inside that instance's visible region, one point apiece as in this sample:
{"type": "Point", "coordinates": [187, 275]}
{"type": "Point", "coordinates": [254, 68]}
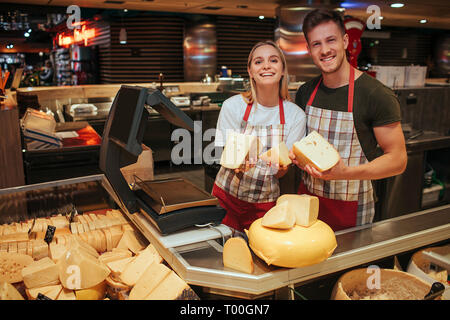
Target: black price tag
{"type": "Point", "coordinates": [49, 234]}
{"type": "Point", "coordinates": [41, 296]}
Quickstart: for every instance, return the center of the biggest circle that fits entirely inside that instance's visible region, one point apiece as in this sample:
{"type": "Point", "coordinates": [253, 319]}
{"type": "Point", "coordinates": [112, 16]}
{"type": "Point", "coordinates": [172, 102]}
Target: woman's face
{"type": "Point", "coordinates": [266, 66]}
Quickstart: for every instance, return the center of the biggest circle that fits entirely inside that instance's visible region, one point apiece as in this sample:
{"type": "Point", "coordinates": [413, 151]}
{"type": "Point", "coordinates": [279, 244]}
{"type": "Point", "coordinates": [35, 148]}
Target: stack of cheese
{"type": "Point", "coordinates": [290, 235]}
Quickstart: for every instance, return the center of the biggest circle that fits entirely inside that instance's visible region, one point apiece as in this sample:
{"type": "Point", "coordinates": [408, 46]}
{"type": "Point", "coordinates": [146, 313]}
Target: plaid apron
{"type": "Point", "coordinates": [248, 195]}
{"type": "Point", "coordinates": [343, 203]}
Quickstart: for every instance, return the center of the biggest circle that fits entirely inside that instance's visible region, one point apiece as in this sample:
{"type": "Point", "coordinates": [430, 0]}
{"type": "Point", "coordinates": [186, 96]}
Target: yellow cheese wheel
{"type": "Point", "coordinates": [292, 248]}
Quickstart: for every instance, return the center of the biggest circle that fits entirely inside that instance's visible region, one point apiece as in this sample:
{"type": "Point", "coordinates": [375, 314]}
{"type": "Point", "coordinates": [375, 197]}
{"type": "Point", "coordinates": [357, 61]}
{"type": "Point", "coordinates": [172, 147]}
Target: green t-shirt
{"type": "Point", "coordinates": [374, 105]}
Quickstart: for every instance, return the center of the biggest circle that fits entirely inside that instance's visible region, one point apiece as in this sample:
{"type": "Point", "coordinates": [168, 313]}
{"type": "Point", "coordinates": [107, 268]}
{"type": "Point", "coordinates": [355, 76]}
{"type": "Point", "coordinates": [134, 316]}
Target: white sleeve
{"type": "Point", "coordinates": [228, 120]}
{"type": "Point", "coordinates": [297, 128]}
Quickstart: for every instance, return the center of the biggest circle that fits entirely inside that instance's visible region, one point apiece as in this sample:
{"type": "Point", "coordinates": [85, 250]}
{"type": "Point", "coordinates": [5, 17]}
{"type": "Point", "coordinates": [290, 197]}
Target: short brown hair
{"type": "Point", "coordinates": [319, 16]}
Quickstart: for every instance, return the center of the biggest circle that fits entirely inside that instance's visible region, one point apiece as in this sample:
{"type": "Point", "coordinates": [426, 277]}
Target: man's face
{"type": "Point", "coordinates": [327, 46]}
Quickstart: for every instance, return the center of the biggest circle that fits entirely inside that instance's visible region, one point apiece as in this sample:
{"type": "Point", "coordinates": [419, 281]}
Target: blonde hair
{"type": "Point", "coordinates": [250, 95]}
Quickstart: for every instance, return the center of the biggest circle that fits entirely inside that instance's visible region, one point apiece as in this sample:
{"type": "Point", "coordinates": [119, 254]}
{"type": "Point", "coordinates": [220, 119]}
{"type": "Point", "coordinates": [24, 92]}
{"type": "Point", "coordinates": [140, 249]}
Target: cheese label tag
{"type": "Point", "coordinates": [49, 234]}
{"type": "Point", "coordinates": [41, 296]}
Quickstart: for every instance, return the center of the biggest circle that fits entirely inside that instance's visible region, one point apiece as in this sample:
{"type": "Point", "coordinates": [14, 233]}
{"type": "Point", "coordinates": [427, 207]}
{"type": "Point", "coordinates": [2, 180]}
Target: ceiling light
{"type": "Point", "coordinates": [397, 5]}
{"type": "Point", "coordinates": [26, 34]}
{"type": "Point", "coordinates": [381, 18]}
{"type": "Point", "coordinates": [423, 21]}
{"type": "Point", "coordinates": [261, 17]}
{"type": "Point", "coordinates": [125, 10]}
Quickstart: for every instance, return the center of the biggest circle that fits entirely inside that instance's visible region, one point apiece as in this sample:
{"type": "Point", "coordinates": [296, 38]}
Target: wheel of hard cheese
{"type": "Point", "coordinates": [292, 248]}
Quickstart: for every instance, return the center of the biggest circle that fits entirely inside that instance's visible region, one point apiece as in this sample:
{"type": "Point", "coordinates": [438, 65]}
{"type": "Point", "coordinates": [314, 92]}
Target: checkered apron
{"type": "Point", "coordinates": [259, 183]}
{"type": "Point", "coordinates": [343, 203]}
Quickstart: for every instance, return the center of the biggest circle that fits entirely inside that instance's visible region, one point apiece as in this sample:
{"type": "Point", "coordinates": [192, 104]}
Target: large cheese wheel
{"type": "Point", "coordinates": [292, 248]}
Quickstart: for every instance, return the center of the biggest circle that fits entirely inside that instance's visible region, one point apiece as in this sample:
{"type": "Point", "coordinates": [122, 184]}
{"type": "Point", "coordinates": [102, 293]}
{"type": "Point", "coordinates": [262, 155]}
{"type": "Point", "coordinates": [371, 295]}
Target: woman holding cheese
{"type": "Point", "coordinates": [265, 111]}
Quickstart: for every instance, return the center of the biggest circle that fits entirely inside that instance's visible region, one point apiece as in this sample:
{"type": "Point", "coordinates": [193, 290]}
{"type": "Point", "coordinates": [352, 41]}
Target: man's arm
{"type": "Point", "coordinates": [393, 161]}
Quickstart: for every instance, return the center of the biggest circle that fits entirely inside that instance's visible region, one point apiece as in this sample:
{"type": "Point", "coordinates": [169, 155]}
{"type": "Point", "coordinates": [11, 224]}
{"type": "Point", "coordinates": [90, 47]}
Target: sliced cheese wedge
{"type": "Point", "coordinates": [9, 292]}
{"type": "Point", "coordinates": [238, 148]}
{"type": "Point", "coordinates": [134, 270]}
{"type": "Point", "coordinates": [237, 255]}
{"type": "Point", "coordinates": [280, 217]}
{"type": "Point", "coordinates": [278, 154]}
{"type": "Point", "coordinates": [149, 280]}
{"type": "Point", "coordinates": [171, 288]}
{"type": "Point", "coordinates": [40, 273]}
{"type": "Point", "coordinates": [96, 292]}
{"type": "Point", "coordinates": [66, 294]}
{"type": "Point", "coordinates": [304, 207]}
{"type": "Point", "coordinates": [130, 242]}
{"type": "Point", "coordinates": [51, 292]}
{"type": "Point", "coordinates": [316, 151]}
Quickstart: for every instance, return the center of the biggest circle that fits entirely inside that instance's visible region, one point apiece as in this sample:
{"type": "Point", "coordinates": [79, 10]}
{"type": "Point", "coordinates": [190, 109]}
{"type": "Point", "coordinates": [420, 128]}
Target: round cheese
{"type": "Point", "coordinates": [292, 248]}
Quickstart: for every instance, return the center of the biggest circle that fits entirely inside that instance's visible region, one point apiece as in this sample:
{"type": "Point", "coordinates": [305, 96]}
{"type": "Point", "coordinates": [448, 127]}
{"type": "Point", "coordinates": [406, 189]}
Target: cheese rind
{"type": "Point", "coordinates": [238, 148]}
{"type": "Point", "coordinates": [279, 216]}
{"type": "Point", "coordinates": [315, 150]}
{"type": "Point", "coordinates": [237, 255]}
{"type": "Point", "coordinates": [304, 207]}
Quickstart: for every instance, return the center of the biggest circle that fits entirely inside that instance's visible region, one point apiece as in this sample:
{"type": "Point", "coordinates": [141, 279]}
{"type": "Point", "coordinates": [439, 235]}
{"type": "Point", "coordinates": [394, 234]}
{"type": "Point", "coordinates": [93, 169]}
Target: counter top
{"type": "Point", "coordinates": [427, 140]}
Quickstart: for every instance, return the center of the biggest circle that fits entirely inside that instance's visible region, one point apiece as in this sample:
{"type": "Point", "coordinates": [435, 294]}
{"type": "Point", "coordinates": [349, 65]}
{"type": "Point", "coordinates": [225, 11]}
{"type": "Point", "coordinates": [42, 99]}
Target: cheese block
{"type": "Point", "coordinates": [278, 154]}
{"type": "Point", "coordinates": [40, 273]}
{"type": "Point", "coordinates": [134, 270]}
{"type": "Point", "coordinates": [150, 279]}
{"type": "Point", "coordinates": [66, 294]}
{"type": "Point", "coordinates": [11, 265]}
{"type": "Point", "coordinates": [12, 247]}
{"type": "Point", "coordinates": [73, 227]}
{"type": "Point", "coordinates": [237, 255]}
{"type": "Point", "coordinates": [238, 148]}
{"type": "Point", "coordinates": [14, 237]}
{"type": "Point", "coordinates": [116, 289]}
{"type": "Point", "coordinates": [22, 247]}
{"type": "Point", "coordinates": [51, 292]}
{"type": "Point", "coordinates": [108, 238]}
{"type": "Point", "coordinates": [279, 216]}
{"type": "Point", "coordinates": [130, 242]}
{"type": "Point", "coordinates": [76, 242]}
{"type": "Point", "coordinates": [56, 251]}
{"type": "Point", "coordinates": [113, 256]}
{"type": "Point", "coordinates": [171, 288]}
{"type": "Point", "coordinates": [292, 248]}
{"type": "Point", "coordinates": [59, 222]}
{"type": "Point", "coordinates": [316, 151]}
{"type": "Point", "coordinates": [96, 292]}
{"type": "Point", "coordinates": [117, 267]}
{"type": "Point", "coordinates": [9, 292]}
{"type": "Point", "coordinates": [304, 207]}
{"type": "Point", "coordinates": [116, 235]}
{"type": "Point", "coordinates": [40, 249]}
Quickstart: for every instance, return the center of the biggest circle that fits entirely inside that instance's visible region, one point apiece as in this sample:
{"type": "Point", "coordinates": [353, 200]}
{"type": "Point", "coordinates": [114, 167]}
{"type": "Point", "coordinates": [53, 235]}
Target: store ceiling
{"type": "Point", "coordinates": [436, 12]}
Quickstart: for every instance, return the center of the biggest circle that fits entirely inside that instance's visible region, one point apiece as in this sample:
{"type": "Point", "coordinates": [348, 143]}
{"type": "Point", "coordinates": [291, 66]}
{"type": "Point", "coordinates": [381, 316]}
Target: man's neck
{"type": "Point", "coordinates": [340, 77]}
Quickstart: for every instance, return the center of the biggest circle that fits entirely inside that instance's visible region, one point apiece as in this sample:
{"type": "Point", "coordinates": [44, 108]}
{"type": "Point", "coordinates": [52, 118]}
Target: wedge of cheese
{"type": "Point", "coordinates": [118, 266]}
{"type": "Point", "coordinates": [9, 292]}
{"type": "Point", "coordinates": [57, 251]}
{"type": "Point", "coordinates": [171, 288]}
{"type": "Point", "coordinates": [237, 255]}
{"type": "Point", "coordinates": [150, 279]}
{"type": "Point", "coordinates": [113, 256]}
{"type": "Point", "coordinates": [97, 292]}
{"type": "Point", "coordinates": [280, 217]}
{"type": "Point", "coordinates": [66, 294]}
{"type": "Point", "coordinates": [238, 148]}
{"type": "Point", "coordinates": [304, 207]}
{"type": "Point", "coordinates": [135, 269]}
{"type": "Point", "coordinates": [40, 273]}
{"type": "Point", "coordinates": [79, 269]}
{"type": "Point", "coordinates": [316, 151]}
{"type": "Point", "coordinates": [130, 242]}
{"type": "Point", "coordinates": [278, 154]}
{"type": "Point", "coordinates": [51, 292]}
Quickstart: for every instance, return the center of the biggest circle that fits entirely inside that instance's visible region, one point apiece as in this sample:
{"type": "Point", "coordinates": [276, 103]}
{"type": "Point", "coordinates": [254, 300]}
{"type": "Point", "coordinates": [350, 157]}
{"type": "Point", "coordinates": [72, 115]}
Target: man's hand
{"type": "Point", "coordinates": [338, 172]}
{"type": "Point", "coordinates": [250, 163]}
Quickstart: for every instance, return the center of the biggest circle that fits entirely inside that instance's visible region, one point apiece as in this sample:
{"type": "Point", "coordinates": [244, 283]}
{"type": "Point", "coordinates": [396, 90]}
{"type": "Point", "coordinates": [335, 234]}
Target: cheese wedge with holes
{"type": "Point", "coordinates": [278, 154]}
{"type": "Point", "coordinates": [238, 148]}
{"type": "Point", "coordinates": [237, 255]}
{"type": "Point", "coordinates": [279, 216]}
{"type": "Point", "coordinates": [316, 151]}
{"type": "Point", "coordinates": [11, 265]}
{"type": "Point", "coordinates": [304, 207]}
{"type": "Point", "coordinates": [9, 292]}
{"type": "Point", "coordinates": [149, 280]}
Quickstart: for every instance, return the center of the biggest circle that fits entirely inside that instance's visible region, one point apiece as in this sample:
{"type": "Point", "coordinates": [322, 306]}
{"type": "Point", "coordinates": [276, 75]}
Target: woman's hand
{"type": "Point", "coordinates": [281, 170]}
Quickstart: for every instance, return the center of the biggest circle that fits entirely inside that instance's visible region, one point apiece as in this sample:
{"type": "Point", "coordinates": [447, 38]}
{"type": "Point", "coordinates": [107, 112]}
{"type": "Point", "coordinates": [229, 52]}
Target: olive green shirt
{"type": "Point", "coordinates": [374, 105]}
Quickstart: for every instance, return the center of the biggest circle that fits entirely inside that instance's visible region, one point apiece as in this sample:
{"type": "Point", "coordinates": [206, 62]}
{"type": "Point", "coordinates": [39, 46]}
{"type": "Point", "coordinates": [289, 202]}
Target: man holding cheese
{"type": "Point", "coordinates": [250, 124]}
{"type": "Point", "coordinates": [356, 114]}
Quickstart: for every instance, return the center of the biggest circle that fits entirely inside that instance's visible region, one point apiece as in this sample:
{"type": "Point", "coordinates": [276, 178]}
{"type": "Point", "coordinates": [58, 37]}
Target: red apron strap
{"type": "Point", "coordinates": [313, 95]}
{"type": "Point", "coordinates": [282, 120]}
{"type": "Point", "coordinates": [351, 89]}
{"type": "Point", "coordinates": [247, 111]}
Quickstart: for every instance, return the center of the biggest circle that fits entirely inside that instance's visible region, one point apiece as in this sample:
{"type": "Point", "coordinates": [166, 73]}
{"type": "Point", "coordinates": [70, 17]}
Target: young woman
{"type": "Point", "coordinates": [264, 111]}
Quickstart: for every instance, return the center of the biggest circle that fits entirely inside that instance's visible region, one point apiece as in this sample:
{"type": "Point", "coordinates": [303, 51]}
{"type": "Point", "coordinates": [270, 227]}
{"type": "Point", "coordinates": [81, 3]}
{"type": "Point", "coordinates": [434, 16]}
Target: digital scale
{"type": "Point", "coordinates": [171, 204]}
{"type": "Point", "coordinates": [181, 101]}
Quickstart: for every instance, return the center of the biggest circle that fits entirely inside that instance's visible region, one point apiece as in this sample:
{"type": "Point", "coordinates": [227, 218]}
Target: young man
{"type": "Point", "coordinates": [358, 115]}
